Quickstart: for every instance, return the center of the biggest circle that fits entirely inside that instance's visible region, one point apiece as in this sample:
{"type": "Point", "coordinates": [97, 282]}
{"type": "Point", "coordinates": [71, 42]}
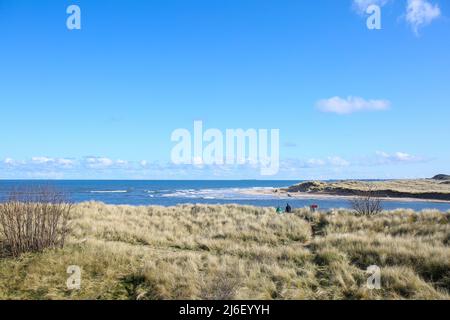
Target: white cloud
{"type": "Point", "coordinates": [143, 163]}
{"type": "Point", "coordinates": [9, 161]}
{"type": "Point", "coordinates": [351, 104]}
{"type": "Point", "coordinates": [338, 162]}
{"type": "Point", "coordinates": [53, 161]}
{"type": "Point", "coordinates": [42, 160]}
{"type": "Point", "coordinates": [98, 162]}
{"type": "Point", "coordinates": [397, 157]}
{"type": "Point", "coordinates": [122, 162]}
{"type": "Point", "coordinates": [316, 162]}
{"type": "Point", "coordinates": [420, 13]}
{"type": "Point", "coordinates": [361, 5]}
{"type": "Point", "coordinates": [380, 158]}
{"type": "Point", "coordinates": [401, 156]}
{"type": "Point", "coordinates": [105, 168]}
{"type": "Point", "coordinates": [65, 162]}
{"type": "Point", "coordinates": [331, 162]}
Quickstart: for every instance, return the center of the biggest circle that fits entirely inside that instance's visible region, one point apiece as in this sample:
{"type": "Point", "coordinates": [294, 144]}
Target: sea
{"type": "Point", "coordinates": [174, 192]}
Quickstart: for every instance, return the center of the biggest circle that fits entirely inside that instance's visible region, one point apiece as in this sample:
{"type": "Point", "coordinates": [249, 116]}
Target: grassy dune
{"type": "Point", "coordinates": [231, 252]}
{"type": "Point", "coordinates": [431, 189]}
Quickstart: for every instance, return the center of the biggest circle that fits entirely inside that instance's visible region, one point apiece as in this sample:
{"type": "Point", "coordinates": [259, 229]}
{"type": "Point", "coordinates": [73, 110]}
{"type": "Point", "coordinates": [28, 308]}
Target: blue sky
{"type": "Point", "coordinates": [102, 102]}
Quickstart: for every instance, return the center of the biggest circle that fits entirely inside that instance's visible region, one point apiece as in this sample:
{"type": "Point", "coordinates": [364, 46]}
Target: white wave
{"type": "Point", "coordinates": [109, 191]}
{"type": "Point", "coordinates": [211, 194]}
{"type": "Point", "coordinates": [157, 191]}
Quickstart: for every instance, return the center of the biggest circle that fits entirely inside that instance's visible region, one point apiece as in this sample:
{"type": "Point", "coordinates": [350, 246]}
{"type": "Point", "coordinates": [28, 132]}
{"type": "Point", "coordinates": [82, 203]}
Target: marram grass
{"type": "Point", "coordinates": [235, 252]}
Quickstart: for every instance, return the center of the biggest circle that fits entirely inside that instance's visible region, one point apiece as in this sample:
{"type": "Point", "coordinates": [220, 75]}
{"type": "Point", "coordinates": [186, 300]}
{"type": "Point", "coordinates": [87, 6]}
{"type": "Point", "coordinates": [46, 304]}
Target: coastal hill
{"type": "Point", "coordinates": [437, 188]}
{"type": "Point", "coordinates": [442, 177]}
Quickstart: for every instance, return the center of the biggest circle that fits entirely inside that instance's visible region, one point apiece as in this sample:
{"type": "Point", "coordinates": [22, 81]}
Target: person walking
{"type": "Point", "coordinates": [288, 208]}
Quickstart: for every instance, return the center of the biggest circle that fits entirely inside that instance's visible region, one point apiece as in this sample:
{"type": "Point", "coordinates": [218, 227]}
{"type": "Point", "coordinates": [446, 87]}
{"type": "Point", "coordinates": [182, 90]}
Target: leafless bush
{"type": "Point", "coordinates": [367, 203]}
{"type": "Point", "coordinates": [34, 219]}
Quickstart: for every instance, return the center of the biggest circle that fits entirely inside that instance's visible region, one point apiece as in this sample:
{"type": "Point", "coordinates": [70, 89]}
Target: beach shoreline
{"type": "Point", "coordinates": [280, 194]}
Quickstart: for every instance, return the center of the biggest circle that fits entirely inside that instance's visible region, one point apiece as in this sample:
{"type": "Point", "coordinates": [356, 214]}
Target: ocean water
{"type": "Point", "coordinates": [170, 193]}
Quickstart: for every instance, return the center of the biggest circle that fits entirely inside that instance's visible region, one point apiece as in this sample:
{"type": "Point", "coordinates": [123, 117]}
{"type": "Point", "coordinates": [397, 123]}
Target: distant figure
{"type": "Point", "coordinates": [313, 208]}
{"type": "Point", "coordinates": [288, 208]}
{"type": "Point", "coordinates": [279, 210]}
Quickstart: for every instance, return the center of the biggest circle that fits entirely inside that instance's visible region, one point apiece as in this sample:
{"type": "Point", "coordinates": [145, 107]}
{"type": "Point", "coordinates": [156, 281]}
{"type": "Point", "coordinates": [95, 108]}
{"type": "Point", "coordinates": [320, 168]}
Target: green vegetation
{"type": "Point", "coordinates": [232, 252]}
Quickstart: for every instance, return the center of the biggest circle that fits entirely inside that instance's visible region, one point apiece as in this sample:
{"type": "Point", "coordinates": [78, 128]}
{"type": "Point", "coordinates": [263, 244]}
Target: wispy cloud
{"type": "Point", "coordinates": [351, 104]}
{"type": "Point", "coordinates": [63, 162]}
{"type": "Point", "coordinates": [378, 158]}
{"type": "Point", "coordinates": [92, 167]}
{"type": "Point", "coordinates": [397, 157]}
{"type": "Point", "coordinates": [311, 163]}
{"type": "Point", "coordinates": [143, 163]}
{"type": "Point", "coordinates": [98, 162]}
{"type": "Point", "coordinates": [338, 162]}
{"type": "Point", "coordinates": [420, 13]}
{"type": "Point", "coordinates": [9, 161]}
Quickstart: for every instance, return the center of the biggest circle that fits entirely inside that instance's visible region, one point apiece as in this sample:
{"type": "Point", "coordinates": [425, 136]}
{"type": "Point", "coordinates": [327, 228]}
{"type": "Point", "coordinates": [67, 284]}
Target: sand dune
{"type": "Point", "coordinates": [424, 189]}
{"type": "Point", "coordinates": [234, 252]}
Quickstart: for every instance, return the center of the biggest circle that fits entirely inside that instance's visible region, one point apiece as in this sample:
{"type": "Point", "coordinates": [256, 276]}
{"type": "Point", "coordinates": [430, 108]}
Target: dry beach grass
{"type": "Point", "coordinates": [235, 252]}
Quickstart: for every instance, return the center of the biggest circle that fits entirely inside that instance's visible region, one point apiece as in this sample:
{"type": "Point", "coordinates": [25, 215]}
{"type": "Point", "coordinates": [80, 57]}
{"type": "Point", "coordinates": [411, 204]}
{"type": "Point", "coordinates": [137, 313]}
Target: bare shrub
{"type": "Point", "coordinates": [367, 203]}
{"type": "Point", "coordinates": [34, 219]}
